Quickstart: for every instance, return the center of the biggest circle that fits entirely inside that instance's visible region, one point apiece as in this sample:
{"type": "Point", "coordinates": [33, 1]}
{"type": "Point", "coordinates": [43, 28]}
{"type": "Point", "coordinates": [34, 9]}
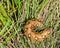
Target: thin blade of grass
{"type": "Point", "coordinates": [12, 35]}
{"type": "Point", "coordinates": [4, 12]}
{"type": "Point", "coordinates": [2, 19]}
{"type": "Point", "coordinates": [4, 29]}
{"type": "Point", "coordinates": [8, 5]}
{"type": "Point", "coordinates": [8, 31]}
{"type": "Point", "coordinates": [41, 7]}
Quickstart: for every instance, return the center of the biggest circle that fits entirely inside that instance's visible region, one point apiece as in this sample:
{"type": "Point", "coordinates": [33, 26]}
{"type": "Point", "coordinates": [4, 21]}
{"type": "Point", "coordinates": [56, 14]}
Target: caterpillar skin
{"type": "Point", "coordinates": [36, 36]}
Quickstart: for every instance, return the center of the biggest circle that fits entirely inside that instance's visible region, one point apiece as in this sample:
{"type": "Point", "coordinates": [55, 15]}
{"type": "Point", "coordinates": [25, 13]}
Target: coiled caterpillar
{"type": "Point", "coordinates": [36, 36]}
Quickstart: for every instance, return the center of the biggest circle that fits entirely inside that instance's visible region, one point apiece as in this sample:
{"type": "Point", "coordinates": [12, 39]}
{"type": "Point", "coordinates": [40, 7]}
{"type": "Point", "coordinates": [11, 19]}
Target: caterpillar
{"type": "Point", "coordinates": [36, 36]}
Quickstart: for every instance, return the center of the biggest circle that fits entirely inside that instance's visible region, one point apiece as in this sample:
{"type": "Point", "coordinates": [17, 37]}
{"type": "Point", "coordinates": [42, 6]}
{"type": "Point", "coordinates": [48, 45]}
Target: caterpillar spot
{"type": "Point", "coordinates": [36, 38]}
{"type": "Point", "coordinates": [29, 35]}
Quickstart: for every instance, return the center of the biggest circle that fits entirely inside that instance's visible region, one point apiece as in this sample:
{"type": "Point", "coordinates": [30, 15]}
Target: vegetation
{"type": "Point", "coordinates": [15, 13]}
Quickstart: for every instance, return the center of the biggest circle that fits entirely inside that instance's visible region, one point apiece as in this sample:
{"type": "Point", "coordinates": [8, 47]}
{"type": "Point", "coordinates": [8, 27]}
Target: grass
{"type": "Point", "coordinates": [14, 14]}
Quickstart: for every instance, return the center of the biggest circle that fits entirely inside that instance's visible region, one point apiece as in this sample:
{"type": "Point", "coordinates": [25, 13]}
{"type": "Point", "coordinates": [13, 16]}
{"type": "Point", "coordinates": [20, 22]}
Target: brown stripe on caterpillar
{"type": "Point", "coordinates": [36, 36]}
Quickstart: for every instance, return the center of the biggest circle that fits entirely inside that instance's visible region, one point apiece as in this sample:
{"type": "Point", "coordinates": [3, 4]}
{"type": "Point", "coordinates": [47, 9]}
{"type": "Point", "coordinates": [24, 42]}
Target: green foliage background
{"type": "Point", "coordinates": [15, 13]}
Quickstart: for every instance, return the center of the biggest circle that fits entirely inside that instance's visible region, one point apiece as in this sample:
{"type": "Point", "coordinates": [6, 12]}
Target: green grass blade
{"type": "Point", "coordinates": [2, 19]}
{"type": "Point", "coordinates": [42, 5]}
{"type": "Point", "coordinates": [4, 29]}
{"type": "Point", "coordinates": [8, 31]}
{"type": "Point", "coordinates": [4, 12]}
{"type": "Point", "coordinates": [13, 34]}
{"type": "Point", "coordinates": [8, 5]}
